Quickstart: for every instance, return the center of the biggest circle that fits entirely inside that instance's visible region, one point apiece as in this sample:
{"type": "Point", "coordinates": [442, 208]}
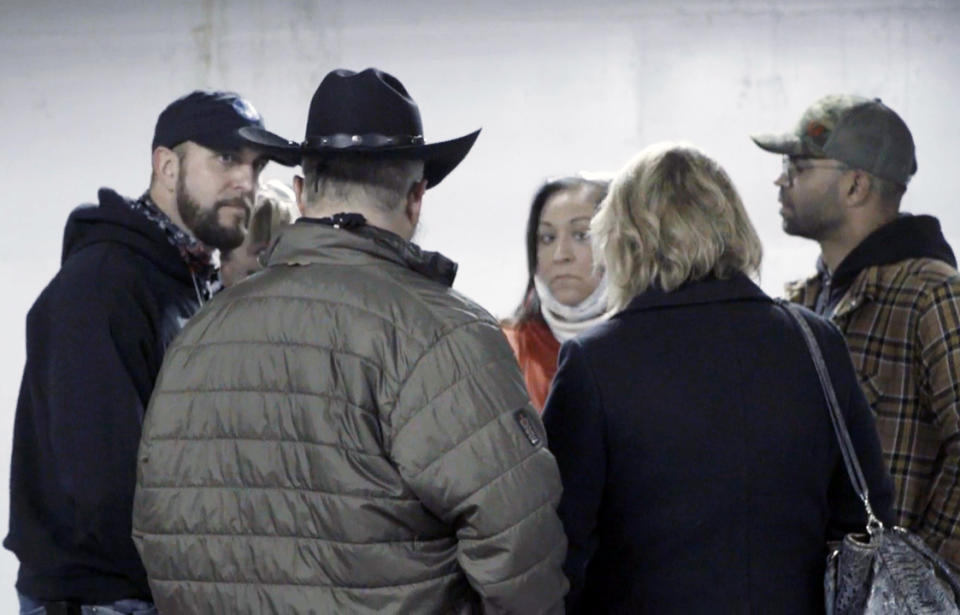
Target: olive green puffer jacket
{"type": "Point", "coordinates": [344, 433]}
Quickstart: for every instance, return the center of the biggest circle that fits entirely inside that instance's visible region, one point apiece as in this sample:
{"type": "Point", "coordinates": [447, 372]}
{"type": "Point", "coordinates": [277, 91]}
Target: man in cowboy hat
{"type": "Point", "coordinates": [889, 281]}
{"type": "Point", "coordinates": [343, 432]}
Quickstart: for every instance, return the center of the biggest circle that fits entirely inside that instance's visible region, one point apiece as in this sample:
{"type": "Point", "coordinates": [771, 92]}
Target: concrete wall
{"type": "Point", "coordinates": [557, 87]}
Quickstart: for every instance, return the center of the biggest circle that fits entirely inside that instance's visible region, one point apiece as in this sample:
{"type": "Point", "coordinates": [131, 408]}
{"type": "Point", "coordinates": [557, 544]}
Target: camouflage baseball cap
{"type": "Point", "coordinates": [862, 133]}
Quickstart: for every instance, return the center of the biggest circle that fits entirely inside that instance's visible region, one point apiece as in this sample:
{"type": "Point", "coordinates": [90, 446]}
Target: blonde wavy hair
{"type": "Point", "coordinates": [672, 216]}
{"type": "Point", "coordinates": [275, 205]}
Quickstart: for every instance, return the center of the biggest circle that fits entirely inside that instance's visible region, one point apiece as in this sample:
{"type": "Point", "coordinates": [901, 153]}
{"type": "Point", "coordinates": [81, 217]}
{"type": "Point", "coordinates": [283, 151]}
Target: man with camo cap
{"type": "Point", "coordinates": [889, 280]}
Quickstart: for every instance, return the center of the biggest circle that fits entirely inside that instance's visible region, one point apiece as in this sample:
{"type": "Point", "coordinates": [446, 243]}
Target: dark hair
{"type": "Point", "coordinates": [386, 181]}
{"type": "Point", "coordinates": [529, 308]}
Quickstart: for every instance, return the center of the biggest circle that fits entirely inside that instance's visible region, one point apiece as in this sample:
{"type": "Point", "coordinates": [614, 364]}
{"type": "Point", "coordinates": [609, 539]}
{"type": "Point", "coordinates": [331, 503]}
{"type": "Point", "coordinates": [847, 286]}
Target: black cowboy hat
{"type": "Point", "coordinates": [366, 113]}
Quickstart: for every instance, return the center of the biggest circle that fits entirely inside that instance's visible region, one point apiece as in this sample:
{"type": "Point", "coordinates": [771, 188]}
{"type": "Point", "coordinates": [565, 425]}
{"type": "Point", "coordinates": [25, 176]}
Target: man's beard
{"type": "Point", "coordinates": [814, 219]}
{"type": "Point", "coordinates": [205, 223]}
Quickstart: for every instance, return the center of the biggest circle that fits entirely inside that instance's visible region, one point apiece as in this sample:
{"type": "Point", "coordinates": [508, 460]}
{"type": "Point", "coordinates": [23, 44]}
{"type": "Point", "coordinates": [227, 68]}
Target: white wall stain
{"type": "Point", "coordinates": [203, 42]}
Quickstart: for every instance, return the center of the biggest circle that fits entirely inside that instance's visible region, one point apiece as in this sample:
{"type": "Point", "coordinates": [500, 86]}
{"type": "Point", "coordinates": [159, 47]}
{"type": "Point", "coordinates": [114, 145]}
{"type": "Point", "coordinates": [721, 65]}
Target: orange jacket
{"type": "Point", "coordinates": [536, 351]}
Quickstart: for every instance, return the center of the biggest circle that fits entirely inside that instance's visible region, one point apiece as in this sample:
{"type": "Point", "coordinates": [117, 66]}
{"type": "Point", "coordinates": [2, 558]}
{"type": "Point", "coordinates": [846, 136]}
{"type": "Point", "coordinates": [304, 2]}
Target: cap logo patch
{"type": "Point", "coordinates": [527, 427]}
{"type": "Point", "coordinates": [816, 129]}
{"type": "Point", "coordinates": [245, 109]}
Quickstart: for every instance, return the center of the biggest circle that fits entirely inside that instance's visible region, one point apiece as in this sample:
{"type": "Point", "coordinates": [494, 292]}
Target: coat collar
{"type": "Point", "coordinates": [803, 292]}
{"type": "Point", "coordinates": [306, 242]}
{"type": "Point", "coordinates": [865, 288]}
{"type": "Point", "coordinates": [709, 290]}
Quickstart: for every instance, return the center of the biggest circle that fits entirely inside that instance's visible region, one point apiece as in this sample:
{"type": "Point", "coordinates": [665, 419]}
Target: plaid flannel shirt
{"type": "Point", "coordinates": [902, 325]}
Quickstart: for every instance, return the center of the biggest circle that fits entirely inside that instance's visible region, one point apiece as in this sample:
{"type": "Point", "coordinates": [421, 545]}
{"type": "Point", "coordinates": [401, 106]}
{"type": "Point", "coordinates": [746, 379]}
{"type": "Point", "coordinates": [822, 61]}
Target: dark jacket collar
{"type": "Point", "coordinates": [905, 237]}
{"type": "Point", "coordinates": [113, 220]}
{"type": "Point", "coordinates": [310, 241]}
{"type": "Point", "coordinates": [708, 290]}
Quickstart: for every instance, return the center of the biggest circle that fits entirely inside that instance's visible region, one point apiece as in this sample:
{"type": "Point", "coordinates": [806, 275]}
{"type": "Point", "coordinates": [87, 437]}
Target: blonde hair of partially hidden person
{"type": "Point", "coordinates": [672, 216]}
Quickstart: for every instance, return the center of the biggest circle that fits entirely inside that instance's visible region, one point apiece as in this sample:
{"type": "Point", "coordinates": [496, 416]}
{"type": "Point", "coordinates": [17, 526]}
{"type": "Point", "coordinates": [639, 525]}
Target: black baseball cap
{"type": "Point", "coordinates": [208, 118]}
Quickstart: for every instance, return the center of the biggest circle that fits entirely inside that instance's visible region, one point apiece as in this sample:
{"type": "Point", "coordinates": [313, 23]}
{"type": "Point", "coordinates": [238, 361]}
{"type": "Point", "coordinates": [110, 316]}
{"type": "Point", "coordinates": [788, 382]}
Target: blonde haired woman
{"type": "Point", "coordinates": [275, 206]}
{"type": "Point", "coordinates": [700, 469]}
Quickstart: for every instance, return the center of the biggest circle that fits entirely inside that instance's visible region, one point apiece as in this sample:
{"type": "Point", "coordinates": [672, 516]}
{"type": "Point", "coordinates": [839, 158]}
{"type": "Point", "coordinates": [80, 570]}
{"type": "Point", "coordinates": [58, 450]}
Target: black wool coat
{"type": "Point", "coordinates": [700, 470]}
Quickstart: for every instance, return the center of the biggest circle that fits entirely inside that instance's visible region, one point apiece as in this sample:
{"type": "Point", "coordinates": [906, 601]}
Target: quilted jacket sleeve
{"type": "Point", "coordinates": [468, 443]}
{"type": "Point", "coordinates": [939, 348]}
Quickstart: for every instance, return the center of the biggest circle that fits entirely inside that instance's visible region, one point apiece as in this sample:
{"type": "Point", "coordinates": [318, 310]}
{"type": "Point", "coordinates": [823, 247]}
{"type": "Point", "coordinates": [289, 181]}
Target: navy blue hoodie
{"type": "Point", "coordinates": [95, 341]}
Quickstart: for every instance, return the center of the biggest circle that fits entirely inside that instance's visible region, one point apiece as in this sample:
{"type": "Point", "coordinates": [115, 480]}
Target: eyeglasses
{"type": "Point", "coordinates": [793, 166]}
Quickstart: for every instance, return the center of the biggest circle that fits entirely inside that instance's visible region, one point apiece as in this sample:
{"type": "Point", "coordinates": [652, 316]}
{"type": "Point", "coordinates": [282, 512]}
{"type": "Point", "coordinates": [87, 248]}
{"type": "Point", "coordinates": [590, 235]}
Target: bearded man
{"type": "Point", "coordinates": [889, 281]}
{"type": "Point", "coordinates": [132, 273]}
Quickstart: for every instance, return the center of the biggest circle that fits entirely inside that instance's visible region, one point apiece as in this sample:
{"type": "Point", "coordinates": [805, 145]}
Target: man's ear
{"type": "Point", "coordinates": [857, 187]}
{"type": "Point", "coordinates": [166, 168]}
{"type": "Point", "coordinates": [415, 201]}
{"type": "Point", "coordinates": [298, 191]}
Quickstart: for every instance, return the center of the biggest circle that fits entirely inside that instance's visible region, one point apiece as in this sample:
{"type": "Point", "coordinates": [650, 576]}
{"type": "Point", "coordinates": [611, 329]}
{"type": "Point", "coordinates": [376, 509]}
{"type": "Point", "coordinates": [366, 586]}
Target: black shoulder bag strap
{"type": "Point", "coordinates": [839, 426]}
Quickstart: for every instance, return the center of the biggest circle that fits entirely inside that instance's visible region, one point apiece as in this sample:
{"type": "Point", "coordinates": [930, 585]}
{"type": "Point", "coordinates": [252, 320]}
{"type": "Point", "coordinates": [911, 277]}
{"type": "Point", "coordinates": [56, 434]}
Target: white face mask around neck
{"type": "Point", "coordinates": [566, 321]}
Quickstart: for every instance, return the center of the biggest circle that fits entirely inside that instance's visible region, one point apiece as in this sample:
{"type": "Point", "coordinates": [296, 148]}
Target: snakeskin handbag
{"type": "Point", "coordinates": [885, 570]}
